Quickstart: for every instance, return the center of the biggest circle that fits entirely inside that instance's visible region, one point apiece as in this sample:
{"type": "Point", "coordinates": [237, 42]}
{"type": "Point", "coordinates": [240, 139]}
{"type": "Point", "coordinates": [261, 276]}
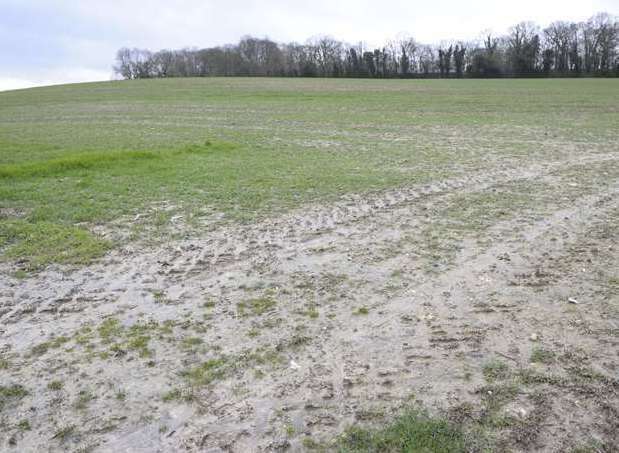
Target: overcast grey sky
{"type": "Point", "coordinates": [56, 41]}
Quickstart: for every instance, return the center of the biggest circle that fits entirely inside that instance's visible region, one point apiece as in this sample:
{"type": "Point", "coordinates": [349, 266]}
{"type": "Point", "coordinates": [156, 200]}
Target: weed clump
{"type": "Point", "coordinates": [109, 329]}
{"type": "Point", "coordinates": [178, 394]}
{"type": "Point", "coordinates": [207, 372]}
{"type": "Point", "coordinates": [255, 307]}
{"type": "Point", "coordinates": [540, 355]}
{"type": "Point", "coordinates": [42, 348]}
{"type": "Point", "coordinates": [55, 385]}
{"type": "Point", "coordinates": [11, 393]}
{"type": "Point", "coordinates": [495, 370]}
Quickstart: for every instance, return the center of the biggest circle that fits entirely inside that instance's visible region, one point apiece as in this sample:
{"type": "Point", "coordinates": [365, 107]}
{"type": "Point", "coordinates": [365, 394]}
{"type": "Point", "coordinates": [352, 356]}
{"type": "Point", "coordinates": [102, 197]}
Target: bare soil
{"type": "Point", "coordinates": [491, 299]}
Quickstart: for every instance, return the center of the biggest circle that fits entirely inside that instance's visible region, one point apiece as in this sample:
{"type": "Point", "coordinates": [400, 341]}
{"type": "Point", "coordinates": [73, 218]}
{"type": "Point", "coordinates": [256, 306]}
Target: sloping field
{"type": "Point", "coordinates": [271, 264]}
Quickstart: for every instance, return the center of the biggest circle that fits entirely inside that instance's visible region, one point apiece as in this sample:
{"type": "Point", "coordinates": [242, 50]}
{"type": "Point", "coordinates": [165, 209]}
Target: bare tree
{"type": "Point", "coordinates": [427, 60]}
{"type": "Point", "coordinates": [606, 32]}
{"type": "Point", "coordinates": [408, 52]}
{"type": "Point", "coordinates": [558, 37]}
{"type": "Point", "coordinates": [523, 47]}
{"type": "Point", "coordinates": [459, 52]}
{"type": "Point", "coordinates": [562, 48]}
{"type": "Point", "coordinates": [123, 63]}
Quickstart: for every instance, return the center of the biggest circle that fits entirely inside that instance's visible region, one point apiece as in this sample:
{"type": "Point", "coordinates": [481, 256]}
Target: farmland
{"type": "Point", "coordinates": [263, 263]}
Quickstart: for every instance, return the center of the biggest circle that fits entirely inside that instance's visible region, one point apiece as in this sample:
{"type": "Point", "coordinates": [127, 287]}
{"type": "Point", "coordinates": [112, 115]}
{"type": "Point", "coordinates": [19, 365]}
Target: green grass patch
{"type": "Point", "coordinates": [110, 329]}
{"type": "Point", "coordinates": [585, 374]}
{"type": "Point", "coordinates": [136, 338]}
{"type": "Point", "coordinates": [178, 394]}
{"type": "Point", "coordinates": [139, 343]}
{"type": "Point", "coordinates": [541, 355]}
{"type": "Point", "coordinates": [55, 386]}
{"type": "Point", "coordinates": [120, 395]}
{"type": "Point", "coordinates": [207, 372]}
{"type": "Point", "coordinates": [613, 285]}
{"type": "Point", "coordinates": [495, 370]}
{"type": "Point", "coordinates": [54, 167]}
{"type": "Point", "coordinates": [84, 398]}
{"type": "Point", "coordinates": [11, 393]}
{"type": "Point", "coordinates": [192, 342]}
{"type": "Point", "coordinates": [255, 307]}
{"type": "Point", "coordinates": [528, 376]}
{"type": "Point", "coordinates": [411, 432]}
{"type": "Point", "coordinates": [312, 313]}
{"type": "Point", "coordinates": [496, 396]}
{"type": "Point", "coordinates": [99, 160]}
{"type": "Point", "coordinates": [42, 348]}
{"type": "Point", "coordinates": [24, 425]}
{"type": "Point", "coordinates": [38, 244]}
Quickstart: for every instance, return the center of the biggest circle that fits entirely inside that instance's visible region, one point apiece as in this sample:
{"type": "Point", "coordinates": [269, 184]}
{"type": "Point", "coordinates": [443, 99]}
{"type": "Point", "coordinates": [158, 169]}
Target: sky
{"type": "Point", "coordinates": [44, 42]}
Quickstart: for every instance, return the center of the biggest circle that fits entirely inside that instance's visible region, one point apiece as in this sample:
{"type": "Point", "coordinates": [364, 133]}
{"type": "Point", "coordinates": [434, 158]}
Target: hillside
{"type": "Point", "coordinates": [262, 263]}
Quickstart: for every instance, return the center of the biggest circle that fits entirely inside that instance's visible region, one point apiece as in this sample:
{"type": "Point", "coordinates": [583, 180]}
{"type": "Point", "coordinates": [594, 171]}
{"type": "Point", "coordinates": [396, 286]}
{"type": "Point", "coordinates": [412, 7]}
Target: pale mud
{"type": "Point", "coordinates": [375, 303]}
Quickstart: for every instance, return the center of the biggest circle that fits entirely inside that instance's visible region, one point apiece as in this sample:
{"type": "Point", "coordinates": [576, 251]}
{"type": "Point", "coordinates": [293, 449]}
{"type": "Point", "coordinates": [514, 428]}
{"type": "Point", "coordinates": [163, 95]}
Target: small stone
{"type": "Point", "coordinates": [534, 337]}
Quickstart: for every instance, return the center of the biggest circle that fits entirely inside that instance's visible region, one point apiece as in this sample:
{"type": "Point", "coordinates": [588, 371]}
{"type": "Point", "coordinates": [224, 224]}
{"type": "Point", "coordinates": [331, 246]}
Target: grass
{"type": "Point", "coordinates": [24, 425]}
{"type": "Point", "coordinates": [497, 395]}
{"type": "Point", "coordinates": [42, 348]}
{"type": "Point", "coordinates": [139, 343]}
{"type": "Point", "coordinates": [244, 148]}
{"type": "Point", "coordinates": [411, 432]}
{"type": "Point", "coordinates": [110, 329]}
{"type": "Point", "coordinates": [222, 367]}
{"type": "Point", "coordinates": [121, 395]}
{"type": "Point", "coordinates": [84, 398]}
{"type": "Point", "coordinates": [541, 355]}
{"type": "Point", "coordinates": [192, 342]}
{"type": "Point", "coordinates": [11, 393]}
{"type": "Point", "coordinates": [207, 372]}
{"type": "Point", "coordinates": [55, 385]}
{"type": "Point", "coordinates": [37, 244]}
{"type": "Point", "coordinates": [65, 432]}
{"type": "Point", "coordinates": [59, 166]}
{"type": "Point", "coordinates": [172, 395]}
{"type": "Point", "coordinates": [495, 370]}
{"type": "Point", "coordinates": [115, 340]}
{"type": "Point", "coordinates": [255, 307]}
{"type": "Point", "coordinates": [312, 313]}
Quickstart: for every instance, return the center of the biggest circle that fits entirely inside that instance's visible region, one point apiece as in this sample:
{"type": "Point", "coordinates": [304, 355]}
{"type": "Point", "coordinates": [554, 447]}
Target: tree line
{"type": "Point", "coordinates": [561, 49]}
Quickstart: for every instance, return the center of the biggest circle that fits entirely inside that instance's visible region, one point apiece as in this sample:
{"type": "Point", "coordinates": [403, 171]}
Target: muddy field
{"type": "Point", "coordinates": [488, 296]}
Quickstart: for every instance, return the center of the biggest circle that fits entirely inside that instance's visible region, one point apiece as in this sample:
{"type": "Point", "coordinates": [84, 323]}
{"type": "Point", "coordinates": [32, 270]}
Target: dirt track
{"type": "Point", "coordinates": [363, 307]}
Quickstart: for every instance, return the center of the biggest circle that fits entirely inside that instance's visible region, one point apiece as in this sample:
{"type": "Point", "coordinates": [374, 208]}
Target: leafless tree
{"type": "Point", "coordinates": [562, 48]}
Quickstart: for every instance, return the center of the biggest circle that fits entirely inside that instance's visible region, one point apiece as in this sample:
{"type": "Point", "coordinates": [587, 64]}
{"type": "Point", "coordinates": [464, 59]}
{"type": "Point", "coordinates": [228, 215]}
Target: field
{"type": "Point", "coordinates": [258, 264]}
